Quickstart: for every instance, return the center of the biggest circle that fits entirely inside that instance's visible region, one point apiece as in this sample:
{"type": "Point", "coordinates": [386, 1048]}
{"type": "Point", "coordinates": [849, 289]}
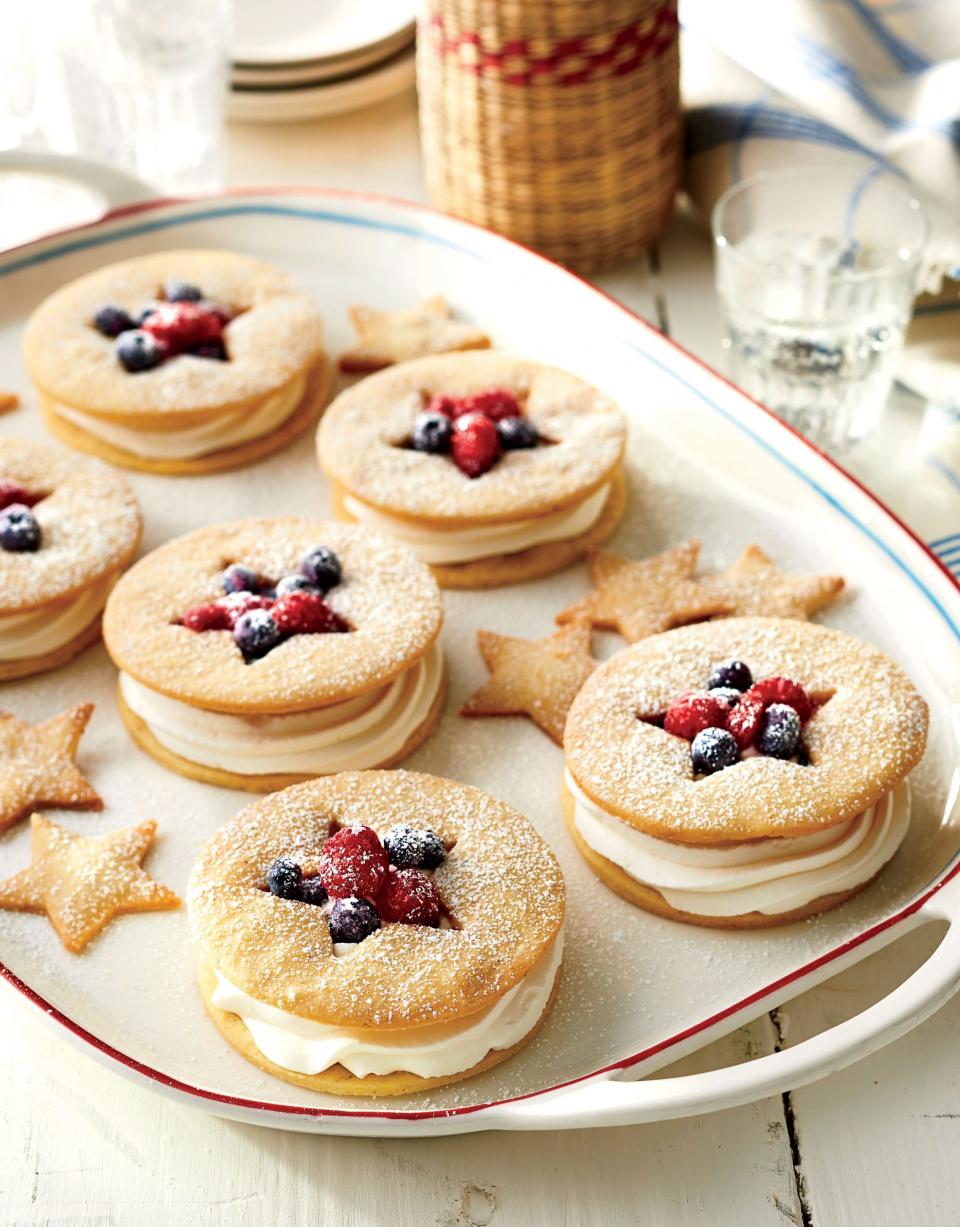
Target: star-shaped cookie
{"type": "Point", "coordinates": [641, 597]}
{"type": "Point", "coordinates": [38, 765]}
{"type": "Point", "coordinates": [83, 882]}
{"type": "Point", "coordinates": [386, 337]}
{"type": "Point", "coordinates": [538, 678]}
{"type": "Point", "coordinates": [755, 585]}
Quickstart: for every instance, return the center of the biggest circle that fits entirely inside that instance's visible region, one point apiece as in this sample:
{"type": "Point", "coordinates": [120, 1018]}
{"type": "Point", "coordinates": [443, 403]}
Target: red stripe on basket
{"type": "Point", "coordinates": [572, 61]}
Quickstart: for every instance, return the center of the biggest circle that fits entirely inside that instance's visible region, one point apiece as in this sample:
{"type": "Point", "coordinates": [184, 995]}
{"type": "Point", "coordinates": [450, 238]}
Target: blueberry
{"type": "Point", "coordinates": [238, 578]}
{"type": "Point", "coordinates": [322, 568]}
{"type": "Point", "coordinates": [284, 877]}
{"type": "Point", "coordinates": [256, 633]}
{"type": "Point", "coordinates": [215, 350]}
{"type": "Point", "coordinates": [516, 433]}
{"type": "Point", "coordinates": [780, 733]}
{"type": "Point", "coordinates": [19, 529]}
{"type": "Point", "coordinates": [182, 291]}
{"type": "Point", "coordinates": [726, 694]}
{"type": "Point", "coordinates": [144, 313]}
{"type": "Point", "coordinates": [294, 583]}
{"type": "Point", "coordinates": [139, 351]}
{"type": "Point", "coordinates": [414, 847]}
{"type": "Point", "coordinates": [712, 750]}
{"type": "Point", "coordinates": [431, 433]}
{"type": "Point", "coordinates": [732, 673]}
{"type": "Point", "coordinates": [312, 890]}
{"type": "Point", "coordinates": [111, 321]}
{"type": "Point", "coordinates": [352, 919]}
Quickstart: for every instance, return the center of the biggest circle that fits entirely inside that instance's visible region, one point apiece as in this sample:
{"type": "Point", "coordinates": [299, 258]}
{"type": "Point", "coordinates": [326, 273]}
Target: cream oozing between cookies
{"type": "Point", "coordinates": [769, 876]}
{"type": "Point", "coordinates": [453, 545]}
{"type": "Point", "coordinates": [358, 732]}
{"type": "Point", "coordinates": [442, 1049]}
{"type": "Point", "coordinates": [224, 430]}
{"type": "Point", "coordinates": [38, 632]}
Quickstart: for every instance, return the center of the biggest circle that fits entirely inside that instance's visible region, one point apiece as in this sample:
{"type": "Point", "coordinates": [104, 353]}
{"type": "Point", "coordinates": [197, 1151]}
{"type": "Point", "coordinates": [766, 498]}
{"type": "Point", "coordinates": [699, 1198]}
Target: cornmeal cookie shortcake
{"type": "Point", "coordinates": [493, 468]}
{"type": "Point", "coordinates": [258, 653]}
{"type": "Point", "coordinates": [68, 528]}
{"type": "Point", "coordinates": [742, 773]}
{"type": "Point", "coordinates": [179, 362]}
{"type": "Point", "coordinates": [377, 932]}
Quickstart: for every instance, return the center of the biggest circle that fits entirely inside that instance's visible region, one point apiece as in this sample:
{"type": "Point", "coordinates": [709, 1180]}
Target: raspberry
{"type": "Point", "coordinates": [207, 618]}
{"type": "Point", "coordinates": [183, 325]}
{"type": "Point", "coordinates": [746, 719]}
{"type": "Point", "coordinates": [13, 492]}
{"type": "Point", "coordinates": [496, 404]}
{"type": "Point", "coordinates": [306, 613]}
{"type": "Point", "coordinates": [409, 897]}
{"type": "Point", "coordinates": [475, 444]}
{"type": "Point", "coordinates": [783, 690]}
{"type": "Point", "coordinates": [237, 604]}
{"type": "Point", "coordinates": [447, 406]}
{"type": "Point", "coordinates": [693, 712]}
{"type": "Point", "coordinates": [353, 862]}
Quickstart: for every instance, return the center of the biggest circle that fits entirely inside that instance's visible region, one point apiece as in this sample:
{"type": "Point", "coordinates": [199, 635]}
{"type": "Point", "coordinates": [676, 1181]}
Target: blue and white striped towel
{"type": "Point", "coordinates": [769, 83]}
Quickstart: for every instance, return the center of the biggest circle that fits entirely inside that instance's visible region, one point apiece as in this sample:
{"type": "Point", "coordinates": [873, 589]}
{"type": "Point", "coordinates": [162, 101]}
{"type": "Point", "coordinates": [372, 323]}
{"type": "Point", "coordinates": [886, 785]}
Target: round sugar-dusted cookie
{"type": "Point", "coordinates": [68, 528]}
{"type": "Point", "coordinates": [742, 773]}
{"type": "Point", "coordinates": [262, 652]}
{"type": "Point", "coordinates": [271, 936]}
{"type": "Point", "coordinates": [179, 362]}
{"type": "Point", "coordinates": [493, 468]}
{"type": "Point", "coordinates": [867, 733]}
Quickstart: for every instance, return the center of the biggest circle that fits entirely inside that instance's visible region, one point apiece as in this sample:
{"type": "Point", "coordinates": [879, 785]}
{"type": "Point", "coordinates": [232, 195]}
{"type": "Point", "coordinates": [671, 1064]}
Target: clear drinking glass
{"type": "Point", "coordinates": [816, 272]}
{"type": "Point", "coordinates": [145, 84]}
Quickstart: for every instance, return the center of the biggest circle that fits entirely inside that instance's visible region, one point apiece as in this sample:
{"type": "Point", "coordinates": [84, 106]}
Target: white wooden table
{"type": "Point", "coordinates": [873, 1145]}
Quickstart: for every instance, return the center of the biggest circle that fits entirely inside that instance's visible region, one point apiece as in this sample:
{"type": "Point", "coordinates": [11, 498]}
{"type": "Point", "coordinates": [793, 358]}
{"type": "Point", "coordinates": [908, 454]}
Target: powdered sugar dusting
{"type": "Point", "coordinates": [500, 883]}
{"type": "Point", "coordinates": [361, 432]}
{"type": "Point", "coordinates": [387, 595]}
{"type": "Point", "coordinates": [869, 735]}
{"type": "Point", "coordinates": [90, 521]}
{"type": "Point", "coordinates": [277, 331]}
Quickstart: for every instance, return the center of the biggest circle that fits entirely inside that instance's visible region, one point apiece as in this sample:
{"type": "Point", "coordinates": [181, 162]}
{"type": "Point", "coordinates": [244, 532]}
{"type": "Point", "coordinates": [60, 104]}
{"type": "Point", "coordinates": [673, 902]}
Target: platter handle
{"type": "Point", "coordinates": [115, 187]}
{"type": "Point", "coordinates": [613, 1099]}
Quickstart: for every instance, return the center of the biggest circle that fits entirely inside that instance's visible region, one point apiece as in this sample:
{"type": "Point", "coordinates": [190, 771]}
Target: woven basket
{"type": "Point", "coordinates": [556, 122]}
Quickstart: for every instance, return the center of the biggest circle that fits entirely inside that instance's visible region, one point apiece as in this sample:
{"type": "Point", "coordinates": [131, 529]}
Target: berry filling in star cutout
{"type": "Point", "coordinates": [20, 531]}
{"type": "Point", "coordinates": [362, 883]}
{"type": "Point", "coordinates": [474, 431]}
{"type": "Point", "coordinates": [734, 718]}
{"type": "Point", "coordinates": [261, 613]}
{"type": "Point", "coordinates": [181, 321]}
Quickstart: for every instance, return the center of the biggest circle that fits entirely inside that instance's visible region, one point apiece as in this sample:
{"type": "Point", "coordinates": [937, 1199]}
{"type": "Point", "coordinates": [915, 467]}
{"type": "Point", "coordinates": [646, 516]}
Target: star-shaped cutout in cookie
{"type": "Point", "coordinates": [755, 585]}
{"type": "Point", "coordinates": [83, 882]}
{"type": "Point", "coordinates": [386, 337]}
{"type": "Point", "coordinates": [538, 678]}
{"type": "Point", "coordinates": [38, 765]}
{"type": "Point", "coordinates": [641, 597]}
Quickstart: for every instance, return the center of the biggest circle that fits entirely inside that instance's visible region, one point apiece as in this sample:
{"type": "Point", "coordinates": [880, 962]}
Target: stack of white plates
{"type": "Point", "coordinates": [302, 59]}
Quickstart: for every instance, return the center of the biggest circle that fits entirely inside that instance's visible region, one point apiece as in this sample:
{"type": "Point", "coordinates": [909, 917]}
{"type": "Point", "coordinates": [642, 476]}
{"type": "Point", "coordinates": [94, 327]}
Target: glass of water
{"type": "Point", "coordinates": [145, 85]}
{"type": "Point", "coordinates": [816, 271]}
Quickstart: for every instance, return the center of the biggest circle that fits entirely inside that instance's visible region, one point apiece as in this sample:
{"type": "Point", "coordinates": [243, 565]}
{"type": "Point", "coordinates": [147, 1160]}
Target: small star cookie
{"type": "Point", "coordinates": [641, 597]}
{"type": "Point", "coordinates": [538, 678]}
{"type": "Point", "coordinates": [386, 337]}
{"type": "Point", "coordinates": [38, 765]}
{"type": "Point", "coordinates": [754, 584]}
{"type": "Point", "coordinates": [83, 882]}
{"type": "Point", "coordinates": [8, 401]}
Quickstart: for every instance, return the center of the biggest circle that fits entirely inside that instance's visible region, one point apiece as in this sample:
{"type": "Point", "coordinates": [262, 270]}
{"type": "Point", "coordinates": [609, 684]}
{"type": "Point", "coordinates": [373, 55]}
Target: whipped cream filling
{"type": "Point", "coordinates": [434, 1051]}
{"type": "Point", "coordinates": [451, 545]}
{"type": "Point", "coordinates": [349, 736]}
{"type": "Point", "coordinates": [41, 631]}
{"type": "Point", "coordinates": [225, 430]}
{"type": "Point", "coordinates": [770, 876]}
